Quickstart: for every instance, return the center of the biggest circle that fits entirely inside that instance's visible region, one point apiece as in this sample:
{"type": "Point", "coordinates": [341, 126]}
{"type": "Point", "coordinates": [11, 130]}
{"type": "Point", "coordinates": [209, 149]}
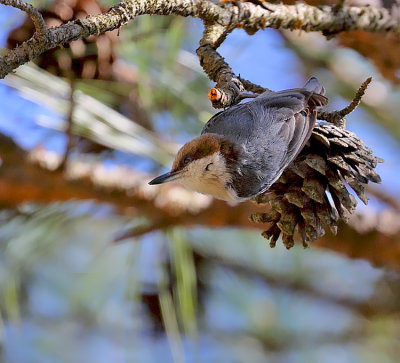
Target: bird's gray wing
{"type": "Point", "coordinates": [234, 120]}
{"type": "Point", "coordinates": [272, 130]}
{"type": "Point", "coordinates": [248, 119]}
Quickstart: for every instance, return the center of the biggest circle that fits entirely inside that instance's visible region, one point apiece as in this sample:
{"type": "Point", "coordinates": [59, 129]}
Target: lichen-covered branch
{"type": "Point", "coordinates": [116, 17]}
{"type": "Point", "coordinates": [252, 87]}
{"type": "Point", "coordinates": [33, 13]}
{"type": "Point", "coordinates": [216, 67]}
{"type": "Point", "coordinates": [252, 18]}
{"type": "Point", "coordinates": [229, 89]}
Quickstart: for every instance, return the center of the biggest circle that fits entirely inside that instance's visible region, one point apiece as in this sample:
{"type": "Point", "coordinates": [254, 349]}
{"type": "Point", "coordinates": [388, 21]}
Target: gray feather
{"type": "Point", "coordinates": [271, 130]}
{"type": "Point", "coordinates": [313, 85]}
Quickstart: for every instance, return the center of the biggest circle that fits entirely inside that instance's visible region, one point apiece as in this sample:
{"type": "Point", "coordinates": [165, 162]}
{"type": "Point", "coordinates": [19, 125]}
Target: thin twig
{"type": "Point", "coordinates": [338, 118]}
{"type": "Point", "coordinates": [252, 87]}
{"type": "Point", "coordinates": [34, 14]}
{"type": "Point", "coordinates": [230, 88]}
{"type": "Point", "coordinates": [251, 17]}
{"type": "Point", "coordinates": [357, 98]}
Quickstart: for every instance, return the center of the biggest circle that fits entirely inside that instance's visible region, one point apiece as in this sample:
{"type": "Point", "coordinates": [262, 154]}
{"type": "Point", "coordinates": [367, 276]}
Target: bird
{"type": "Point", "coordinates": [244, 149]}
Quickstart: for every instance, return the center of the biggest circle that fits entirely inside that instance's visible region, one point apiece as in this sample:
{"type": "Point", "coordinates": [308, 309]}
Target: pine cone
{"type": "Point", "coordinates": [311, 195]}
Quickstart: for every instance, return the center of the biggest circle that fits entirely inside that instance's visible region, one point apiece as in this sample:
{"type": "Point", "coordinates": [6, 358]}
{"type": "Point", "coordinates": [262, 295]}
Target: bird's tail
{"type": "Point", "coordinates": [313, 85]}
{"type": "Point", "coordinates": [318, 90]}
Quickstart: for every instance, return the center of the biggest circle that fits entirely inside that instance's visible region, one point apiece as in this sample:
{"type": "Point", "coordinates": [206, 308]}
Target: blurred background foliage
{"type": "Point", "coordinates": [174, 289]}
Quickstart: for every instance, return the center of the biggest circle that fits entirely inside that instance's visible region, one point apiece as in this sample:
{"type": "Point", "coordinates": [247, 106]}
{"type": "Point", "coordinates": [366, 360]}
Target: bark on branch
{"type": "Point", "coordinates": [338, 118]}
{"type": "Point", "coordinates": [229, 88]}
{"type": "Point", "coordinates": [33, 13]}
{"type": "Point", "coordinates": [329, 20]}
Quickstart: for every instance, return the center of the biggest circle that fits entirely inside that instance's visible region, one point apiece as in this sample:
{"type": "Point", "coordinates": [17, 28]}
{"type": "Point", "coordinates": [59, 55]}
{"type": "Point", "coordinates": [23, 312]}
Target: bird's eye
{"type": "Point", "coordinates": [187, 160]}
{"type": "Point", "coordinates": [208, 166]}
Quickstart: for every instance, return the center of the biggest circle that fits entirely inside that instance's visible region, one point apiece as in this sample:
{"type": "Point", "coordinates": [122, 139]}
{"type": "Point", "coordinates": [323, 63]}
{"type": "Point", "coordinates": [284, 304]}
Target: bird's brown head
{"type": "Point", "coordinates": [201, 165]}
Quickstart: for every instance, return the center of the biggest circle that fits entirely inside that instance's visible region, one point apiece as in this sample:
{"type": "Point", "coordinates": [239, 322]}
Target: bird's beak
{"type": "Point", "coordinates": [167, 177]}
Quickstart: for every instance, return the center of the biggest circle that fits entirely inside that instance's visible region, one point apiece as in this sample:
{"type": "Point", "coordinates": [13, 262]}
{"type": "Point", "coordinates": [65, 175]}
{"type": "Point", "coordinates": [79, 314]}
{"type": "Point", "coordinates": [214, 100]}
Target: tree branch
{"type": "Point", "coordinates": [338, 118]}
{"type": "Point", "coordinates": [251, 17]}
{"type": "Point", "coordinates": [114, 18]}
{"type": "Point", "coordinates": [229, 88]}
{"type": "Point", "coordinates": [33, 13]}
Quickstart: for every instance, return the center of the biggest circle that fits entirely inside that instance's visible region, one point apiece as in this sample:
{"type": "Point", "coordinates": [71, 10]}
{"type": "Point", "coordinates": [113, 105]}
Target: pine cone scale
{"type": "Point", "coordinates": [311, 195]}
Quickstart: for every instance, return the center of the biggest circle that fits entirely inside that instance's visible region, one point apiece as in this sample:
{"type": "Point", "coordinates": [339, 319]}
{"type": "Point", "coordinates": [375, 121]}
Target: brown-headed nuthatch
{"type": "Point", "coordinates": [243, 150]}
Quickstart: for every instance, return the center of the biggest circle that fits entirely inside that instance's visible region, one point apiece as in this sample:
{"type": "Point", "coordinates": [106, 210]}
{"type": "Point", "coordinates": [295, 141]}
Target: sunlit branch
{"type": "Point", "coordinates": [251, 18]}
{"type": "Point", "coordinates": [339, 117]}
{"type": "Point", "coordinates": [34, 14]}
